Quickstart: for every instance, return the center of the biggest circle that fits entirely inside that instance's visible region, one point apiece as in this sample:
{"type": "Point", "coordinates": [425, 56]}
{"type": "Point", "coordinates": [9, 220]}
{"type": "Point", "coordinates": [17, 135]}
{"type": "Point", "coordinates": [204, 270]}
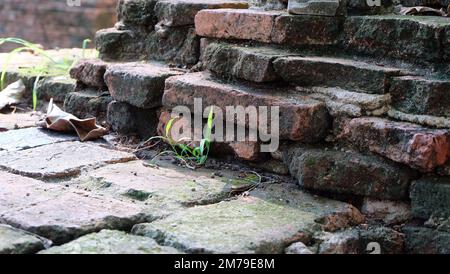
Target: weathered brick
{"type": "Point", "coordinates": [306, 30]}
{"type": "Point", "coordinates": [418, 95]}
{"type": "Point", "coordinates": [176, 45]}
{"type": "Point", "coordinates": [120, 45]}
{"type": "Point", "coordinates": [431, 197]}
{"type": "Point", "coordinates": [127, 119]}
{"type": "Point", "coordinates": [268, 26]}
{"type": "Point", "coordinates": [137, 12]}
{"type": "Point", "coordinates": [236, 24]}
{"type": "Point", "coordinates": [422, 240]}
{"type": "Point", "coordinates": [248, 63]}
{"type": "Point", "coordinates": [87, 104]}
{"type": "Point", "coordinates": [182, 12]}
{"type": "Point", "coordinates": [317, 7]}
{"type": "Point", "coordinates": [55, 87]}
{"type": "Point", "coordinates": [90, 72]}
{"type": "Point", "coordinates": [415, 36]}
{"type": "Point", "coordinates": [328, 71]}
{"type": "Point", "coordinates": [140, 85]}
{"type": "Point", "coordinates": [389, 212]}
{"type": "Point", "coordinates": [406, 143]}
{"type": "Point", "coordinates": [357, 240]}
{"type": "Point", "coordinates": [349, 173]}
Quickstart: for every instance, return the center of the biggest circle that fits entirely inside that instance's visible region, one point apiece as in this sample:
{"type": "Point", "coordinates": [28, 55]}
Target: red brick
{"type": "Point", "coordinates": [236, 24]}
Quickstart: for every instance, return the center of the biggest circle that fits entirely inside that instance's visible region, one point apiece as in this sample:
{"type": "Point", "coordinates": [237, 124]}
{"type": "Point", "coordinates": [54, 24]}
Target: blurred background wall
{"type": "Point", "coordinates": [53, 23]}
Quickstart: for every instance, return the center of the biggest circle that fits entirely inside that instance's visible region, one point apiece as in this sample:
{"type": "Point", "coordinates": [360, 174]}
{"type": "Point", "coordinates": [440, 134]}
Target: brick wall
{"type": "Point", "coordinates": [53, 23]}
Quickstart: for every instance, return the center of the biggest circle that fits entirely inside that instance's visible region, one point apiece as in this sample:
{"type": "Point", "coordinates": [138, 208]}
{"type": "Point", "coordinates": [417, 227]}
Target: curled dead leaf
{"type": "Point", "coordinates": [59, 120]}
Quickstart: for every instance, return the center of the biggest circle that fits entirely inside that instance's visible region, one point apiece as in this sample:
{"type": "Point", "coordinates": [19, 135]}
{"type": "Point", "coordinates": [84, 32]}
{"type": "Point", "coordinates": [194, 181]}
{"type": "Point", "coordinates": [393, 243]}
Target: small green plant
{"type": "Point", "coordinates": [190, 154]}
{"type": "Point", "coordinates": [50, 66]}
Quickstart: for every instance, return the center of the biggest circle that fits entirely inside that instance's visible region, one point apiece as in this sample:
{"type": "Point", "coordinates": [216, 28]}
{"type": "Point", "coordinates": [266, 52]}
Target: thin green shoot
{"type": "Point", "coordinates": [189, 154]}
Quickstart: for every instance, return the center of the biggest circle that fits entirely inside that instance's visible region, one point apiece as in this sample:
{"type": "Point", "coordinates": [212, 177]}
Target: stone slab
{"type": "Point", "coordinates": [265, 221]}
{"type": "Point", "coordinates": [18, 120]}
{"type": "Point", "coordinates": [60, 159]}
{"type": "Point", "coordinates": [163, 189]}
{"type": "Point", "coordinates": [111, 242]}
{"type": "Point", "coordinates": [16, 241]}
{"type": "Point", "coordinates": [61, 213]}
{"type": "Point", "coordinates": [26, 138]}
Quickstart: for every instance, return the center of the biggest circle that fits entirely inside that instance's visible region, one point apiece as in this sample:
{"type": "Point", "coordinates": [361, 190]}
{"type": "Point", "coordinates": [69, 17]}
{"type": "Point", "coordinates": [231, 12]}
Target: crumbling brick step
{"type": "Point", "coordinates": [267, 64]}
{"type": "Point", "coordinates": [301, 118]}
{"type": "Point", "coordinates": [90, 72]}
